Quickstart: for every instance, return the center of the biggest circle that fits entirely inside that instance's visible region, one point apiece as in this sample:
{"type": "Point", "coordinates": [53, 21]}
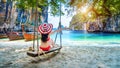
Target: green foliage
{"type": "Point", "coordinates": [28, 4]}
{"type": "Point", "coordinates": [54, 5]}
{"type": "Point", "coordinates": [98, 8]}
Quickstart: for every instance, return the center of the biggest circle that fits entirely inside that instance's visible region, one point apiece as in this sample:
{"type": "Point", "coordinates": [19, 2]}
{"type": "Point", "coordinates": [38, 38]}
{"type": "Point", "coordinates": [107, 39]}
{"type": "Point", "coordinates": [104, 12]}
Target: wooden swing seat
{"type": "Point", "coordinates": [35, 53]}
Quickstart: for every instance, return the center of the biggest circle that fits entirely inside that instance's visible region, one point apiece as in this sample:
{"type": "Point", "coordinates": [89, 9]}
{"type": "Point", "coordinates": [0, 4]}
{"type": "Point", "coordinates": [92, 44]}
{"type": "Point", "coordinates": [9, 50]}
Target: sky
{"type": "Point", "coordinates": [65, 19]}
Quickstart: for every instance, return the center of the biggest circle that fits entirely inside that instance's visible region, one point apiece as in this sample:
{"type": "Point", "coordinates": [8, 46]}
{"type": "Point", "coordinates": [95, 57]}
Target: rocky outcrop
{"type": "Point", "coordinates": [76, 23]}
{"type": "Point", "coordinates": [76, 26]}
{"type": "Point", "coordinates": [111, 24]}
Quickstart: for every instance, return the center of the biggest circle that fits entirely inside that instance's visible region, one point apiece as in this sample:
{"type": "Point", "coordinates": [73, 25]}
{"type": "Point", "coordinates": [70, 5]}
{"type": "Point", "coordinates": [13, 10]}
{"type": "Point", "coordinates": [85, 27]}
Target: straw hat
{"type": "Point", "coordinates": [45, 28]}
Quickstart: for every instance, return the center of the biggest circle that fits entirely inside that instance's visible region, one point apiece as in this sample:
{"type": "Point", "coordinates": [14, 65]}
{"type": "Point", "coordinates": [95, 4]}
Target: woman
{"type": "Point", "coordinates": [45, 31]}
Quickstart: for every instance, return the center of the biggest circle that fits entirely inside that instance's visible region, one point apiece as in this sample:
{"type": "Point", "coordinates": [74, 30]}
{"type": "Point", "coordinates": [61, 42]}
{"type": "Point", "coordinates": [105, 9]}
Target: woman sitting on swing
{"type": "Point", "coordinates": [45, 30]}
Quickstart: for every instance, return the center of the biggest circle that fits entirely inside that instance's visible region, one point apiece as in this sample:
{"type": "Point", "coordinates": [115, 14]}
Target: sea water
{"type": "Point", "coordinates": [83, 38]}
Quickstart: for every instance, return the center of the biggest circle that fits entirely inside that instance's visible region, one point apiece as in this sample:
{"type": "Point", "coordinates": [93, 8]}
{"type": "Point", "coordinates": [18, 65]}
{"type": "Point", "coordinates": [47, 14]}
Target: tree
{"type": "Point", "coordinates": [98, 9]}
{"type": "Point", "coordinates": [104, 8]}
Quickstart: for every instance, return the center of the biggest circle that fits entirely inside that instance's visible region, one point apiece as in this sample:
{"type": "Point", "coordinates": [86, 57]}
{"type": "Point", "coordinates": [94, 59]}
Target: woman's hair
{"type": "Point", "coordinates": [44, 37]}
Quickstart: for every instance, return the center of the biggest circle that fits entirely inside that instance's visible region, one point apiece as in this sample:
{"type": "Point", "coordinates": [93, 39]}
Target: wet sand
{"type": "Point", "coordinates": [13, 55]}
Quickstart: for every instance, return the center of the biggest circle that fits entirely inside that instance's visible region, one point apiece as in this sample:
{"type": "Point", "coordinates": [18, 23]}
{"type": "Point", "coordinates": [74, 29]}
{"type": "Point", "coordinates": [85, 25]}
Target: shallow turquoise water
{"type": "Point", "coordinates": [82, 37]}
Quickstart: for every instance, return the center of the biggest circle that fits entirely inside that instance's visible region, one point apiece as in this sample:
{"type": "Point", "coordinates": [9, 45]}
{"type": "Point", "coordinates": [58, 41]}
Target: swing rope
{"type": "Point", "coordinates": [59, 27]}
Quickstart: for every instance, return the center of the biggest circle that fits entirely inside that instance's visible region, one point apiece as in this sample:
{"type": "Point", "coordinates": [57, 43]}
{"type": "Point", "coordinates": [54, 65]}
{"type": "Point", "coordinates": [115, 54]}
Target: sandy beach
{"type": "Point", "coordinates": [14, 56]}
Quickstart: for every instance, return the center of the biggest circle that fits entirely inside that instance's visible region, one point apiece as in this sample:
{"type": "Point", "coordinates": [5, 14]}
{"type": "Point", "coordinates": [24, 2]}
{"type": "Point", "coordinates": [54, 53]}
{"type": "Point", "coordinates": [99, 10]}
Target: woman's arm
{"type": "Point", "coordinates": [58, 30]}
